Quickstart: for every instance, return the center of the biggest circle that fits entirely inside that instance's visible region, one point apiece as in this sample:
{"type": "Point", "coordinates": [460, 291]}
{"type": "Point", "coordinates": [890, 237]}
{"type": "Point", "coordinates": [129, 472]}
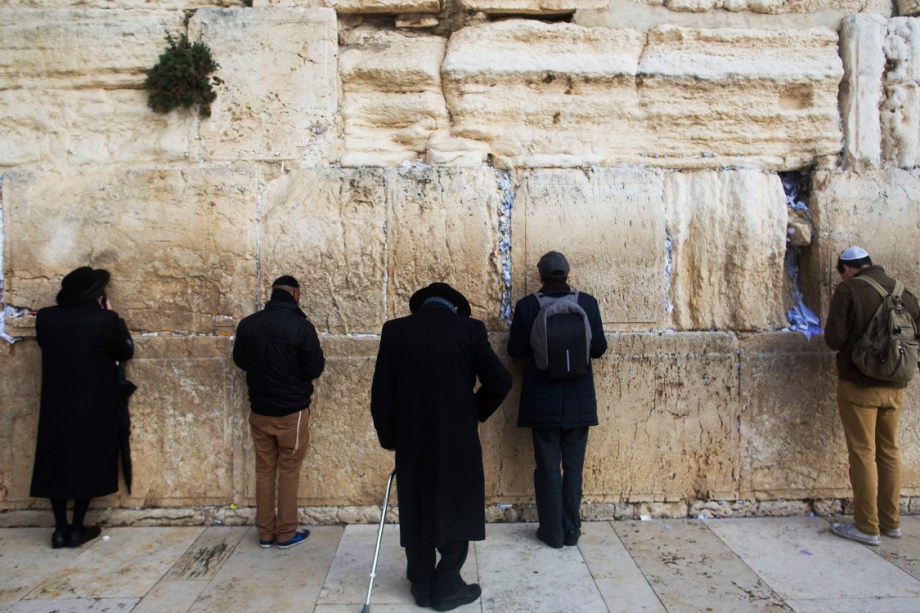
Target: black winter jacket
{"type": "Point", "coordinates": [280, 352]}
{"type": "Point", "coordinates": [547, 403]}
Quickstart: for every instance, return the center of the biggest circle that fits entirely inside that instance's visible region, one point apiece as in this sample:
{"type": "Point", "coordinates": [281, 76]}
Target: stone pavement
{"type": "Point", "coordinates": [772, 564]}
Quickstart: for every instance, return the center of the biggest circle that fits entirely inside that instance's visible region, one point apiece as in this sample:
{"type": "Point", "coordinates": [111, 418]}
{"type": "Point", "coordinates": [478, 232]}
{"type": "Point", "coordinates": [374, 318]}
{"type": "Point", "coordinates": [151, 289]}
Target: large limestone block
{"type": "Point", "coordinates": [668, 407]}
{"type": "Point", "coordinates": [345, 464]}
{"type": "Point", "coordinates": [181, 245]}
{"type": "Point", "coordinates": [900, 109]}
{"type": "Point", "coordinates": [791, 437]}
{"type": "Point", "coordinates": [875, 210]}
{"type": "Point", "coordinates": [393, 98]}
{"type": "Point", "coordinates": [610, 225]}
{"type": "Point", "coordinates": [20, 379]}
{"type": "Point", "coordinates": [385, 6]}
{"type": "Point", "coordinates": [442, 225]}
{"type": "Point", "coordinates": [758, 14]}
{"type": "Point", "coordinates": [70, 87]}
{"type": "Point", "coordinates": [278, 98]}
{"type": "Point", "coordinates": [740, 97]}
{"type": "Point", "coordinates": [861, 41]}
{"type": "Point", "coordinates": [545, 94]}
{"type": "Point", "coordinates": [563, 95]}
{"type": "Point", "coordinates": [727, 234]}
{"type": "Point", "coordinates": [328, 229]}
{"type": "Point", "coordinates": [123, 4]}
{"type": "Point", "coordinates": [531, 7]}
{"type": "Point", "coordinates": [187, 421]}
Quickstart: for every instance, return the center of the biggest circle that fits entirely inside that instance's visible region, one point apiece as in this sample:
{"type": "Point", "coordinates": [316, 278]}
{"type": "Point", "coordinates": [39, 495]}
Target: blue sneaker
{"type": "Point", "coordinates": [299, 537]}
{"type": "Point", "coordinates": [267, 544]}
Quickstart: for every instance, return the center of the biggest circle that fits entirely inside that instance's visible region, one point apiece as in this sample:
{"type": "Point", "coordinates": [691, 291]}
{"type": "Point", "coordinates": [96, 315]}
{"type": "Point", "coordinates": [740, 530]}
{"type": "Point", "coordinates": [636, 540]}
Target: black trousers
{"type": "Point", "coordinates": [444, 579]}
{"type": "Point", "coordinates": [559, 494]}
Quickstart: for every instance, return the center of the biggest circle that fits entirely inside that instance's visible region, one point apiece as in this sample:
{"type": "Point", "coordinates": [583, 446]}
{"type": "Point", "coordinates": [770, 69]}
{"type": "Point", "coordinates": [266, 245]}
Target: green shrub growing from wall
{"type": "Point", "coordinates": [180, 77]}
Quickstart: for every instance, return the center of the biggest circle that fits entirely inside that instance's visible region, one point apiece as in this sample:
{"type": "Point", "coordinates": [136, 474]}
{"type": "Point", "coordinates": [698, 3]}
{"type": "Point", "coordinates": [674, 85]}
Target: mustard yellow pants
{"type": "Point", "coordinates": [870, 424]}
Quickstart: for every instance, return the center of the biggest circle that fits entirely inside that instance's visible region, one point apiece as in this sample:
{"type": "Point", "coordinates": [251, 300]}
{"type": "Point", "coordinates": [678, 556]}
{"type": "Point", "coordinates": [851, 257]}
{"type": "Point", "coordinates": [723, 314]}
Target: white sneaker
{"type": "Point", "coordinates": [850, 531]}
{"type": "Point", "coordinates": [894, 533]}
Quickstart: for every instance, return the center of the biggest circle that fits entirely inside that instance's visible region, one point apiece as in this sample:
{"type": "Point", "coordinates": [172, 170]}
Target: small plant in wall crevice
{"type": "Point", "coordinates": [180, 77]}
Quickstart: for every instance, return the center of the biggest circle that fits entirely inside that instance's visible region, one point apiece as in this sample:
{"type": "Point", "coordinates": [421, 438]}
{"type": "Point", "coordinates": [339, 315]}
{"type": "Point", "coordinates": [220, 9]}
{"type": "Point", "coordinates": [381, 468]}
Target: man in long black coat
{"type": "Point", "coordinates": [76, 452]}
{"type": "Point", "coordinates": [424, 406]}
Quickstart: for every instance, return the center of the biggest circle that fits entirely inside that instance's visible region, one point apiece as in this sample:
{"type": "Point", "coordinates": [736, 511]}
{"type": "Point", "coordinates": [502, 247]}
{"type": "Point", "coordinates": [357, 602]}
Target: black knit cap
{"type": "Point", "coordinates": [81, 285]}
{"type": "Point", "coordinates": [287, 280]}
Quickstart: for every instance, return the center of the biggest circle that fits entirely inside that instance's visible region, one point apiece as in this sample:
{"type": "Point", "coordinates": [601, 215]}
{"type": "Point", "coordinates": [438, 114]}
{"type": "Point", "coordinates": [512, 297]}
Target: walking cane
{"type": "Point", "coordinates": [383, 517]}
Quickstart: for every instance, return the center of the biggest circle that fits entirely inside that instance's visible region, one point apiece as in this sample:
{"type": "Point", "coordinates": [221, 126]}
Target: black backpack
{"type": "Point", "coordinates": [561, 337]}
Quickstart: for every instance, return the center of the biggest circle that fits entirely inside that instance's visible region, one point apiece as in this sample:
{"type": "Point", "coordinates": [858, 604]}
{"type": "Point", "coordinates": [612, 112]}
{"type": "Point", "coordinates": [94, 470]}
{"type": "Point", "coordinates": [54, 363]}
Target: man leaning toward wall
{"type": "Point", "coordinates": [869, 406]}
{"type": "Point", "coordinates": [558, 410]}
{"type": "Point", "coordinates": [425, 405]}
{"type": "Point", "coordinates": [280, 352]}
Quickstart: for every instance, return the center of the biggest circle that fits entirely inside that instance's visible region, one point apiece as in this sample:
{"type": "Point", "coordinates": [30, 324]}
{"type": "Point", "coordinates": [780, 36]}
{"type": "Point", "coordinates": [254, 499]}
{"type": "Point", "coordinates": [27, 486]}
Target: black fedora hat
{"type": "Point", "coordinates": [440, 290]}
{"type": "Point", "coordinates": [81, 285]}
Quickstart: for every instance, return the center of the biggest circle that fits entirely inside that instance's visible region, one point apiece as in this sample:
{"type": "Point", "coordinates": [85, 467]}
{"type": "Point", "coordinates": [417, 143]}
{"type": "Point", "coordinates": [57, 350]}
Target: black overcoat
{"type": "Point", "coordinates": [424, 406]}
{"type": "Point", "coordinates": [76, 452]}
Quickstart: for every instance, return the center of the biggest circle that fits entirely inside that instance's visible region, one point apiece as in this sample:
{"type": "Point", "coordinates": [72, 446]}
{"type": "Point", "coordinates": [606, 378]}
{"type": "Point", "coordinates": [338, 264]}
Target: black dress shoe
{"type": "Point", "coordinates": [571, 538]}
{"type": "Point", "coordinates": [58, 539]}
{"type": "Point", "coordinates": [465, 595]}
{"type": "Point", "coordinates": [553, 544]}
{"type": "Point", "coordinates": [78, 537]}
{"type": "Point", "coordinates": [422, 596]}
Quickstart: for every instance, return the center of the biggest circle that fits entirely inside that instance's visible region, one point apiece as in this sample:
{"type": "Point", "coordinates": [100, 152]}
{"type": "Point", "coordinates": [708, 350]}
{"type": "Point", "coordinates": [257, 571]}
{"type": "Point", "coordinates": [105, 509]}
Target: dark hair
{"type": "Point", "coordinates": [287, 281]}
{"type": "Point", "coordinates": [866, 261]}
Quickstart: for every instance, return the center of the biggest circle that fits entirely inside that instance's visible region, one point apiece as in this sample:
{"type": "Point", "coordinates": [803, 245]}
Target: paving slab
{"type": "Point", "coordinates": [75, 605]}
{"type": "Point", "coordinates": [905, 551]}
{"type": "Point", "coordinates": [171, 596]}
{"type": "Point", "coordinates": [519, 573]}
{"type": "Point", "coordinates": [802, 560]}
{"type": "Point", "coordinates": [619, 579]}
{"type": "Point", "coordinates": [26, 560]}
{"type": "Point", "coordinates": [851, 605]}
{"type": "Point", "coordinates": [280, 580]}
{"type": "Point", "coordinates": [691, 569]}
{"type": "Point", "coordinates": [122, 563]}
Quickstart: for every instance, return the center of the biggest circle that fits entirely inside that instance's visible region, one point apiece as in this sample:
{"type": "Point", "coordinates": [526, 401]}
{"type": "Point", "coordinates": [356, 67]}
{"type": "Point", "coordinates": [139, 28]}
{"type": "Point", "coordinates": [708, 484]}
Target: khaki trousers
{"type": "Point", "coordinates": [870, 424]}
{"type": "Point", "coordinates": [280, 445]}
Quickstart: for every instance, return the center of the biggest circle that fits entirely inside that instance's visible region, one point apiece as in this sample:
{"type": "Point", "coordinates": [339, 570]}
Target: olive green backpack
{"type": "Point", "coordinates": [888, 349]}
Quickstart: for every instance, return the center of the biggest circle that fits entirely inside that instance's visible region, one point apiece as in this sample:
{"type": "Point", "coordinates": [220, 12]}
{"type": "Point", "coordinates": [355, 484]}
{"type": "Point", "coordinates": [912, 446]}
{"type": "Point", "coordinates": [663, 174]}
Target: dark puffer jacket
{"type": "Point", "coordinates": [852, 307]}
{"type": "Point", "coordinates": [280, 352]}
{"type": "Point", "coordinates": [546, 403]}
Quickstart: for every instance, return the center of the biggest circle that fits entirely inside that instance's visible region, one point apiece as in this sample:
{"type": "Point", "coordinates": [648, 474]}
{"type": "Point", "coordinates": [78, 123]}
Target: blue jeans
{"type": "Point", "coordinates": [559, 493]}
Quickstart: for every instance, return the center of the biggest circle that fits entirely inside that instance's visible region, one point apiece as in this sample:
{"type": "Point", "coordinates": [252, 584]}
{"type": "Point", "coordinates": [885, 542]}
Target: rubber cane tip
{"type": "Point", "coordinates": [366, 609]}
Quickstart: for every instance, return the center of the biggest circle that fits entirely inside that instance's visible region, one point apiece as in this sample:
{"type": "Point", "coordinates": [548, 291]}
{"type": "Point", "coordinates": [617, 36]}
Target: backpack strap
{"type": "Point", "coordinates": [881, 290]}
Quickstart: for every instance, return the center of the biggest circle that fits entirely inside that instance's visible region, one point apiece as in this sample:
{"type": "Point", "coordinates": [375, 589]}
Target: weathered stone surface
{"type": "Point", "coordinates": [385, 6]}
{"type": "Point", "coordinates": [706, 93]}
{"type": "Point", "coordinates": [610, 225]}
{"type": "Point", "coordinates": [181, 245]}
{"type": "Point", "coordinates": [124, 4]}
{"type": "Point", "coordinates": [393, 99]}
{"type": "Point", "coordinates": [861, 39]}
{"type": "Point", "coordinates": [332, 221]}
{"type": "Point", "coordinates": [875, 210]}
{"type": "Point", "coordinates": [278, 98]}
{"type": "Point", "coordinates": [687, 98]}
{"type": "Point", "coordinates": [20, 367]}
{"type": "Point", "coordinates": [70, 87]}
{"type": "Point", "coordinates": [531, 7]}
{"type": "Point", "coordinates": [187, 418]}
{"type": "Point", "coordinates": [909, 7]}
{"type": "Point", "coordinates": [900, 109]}
{"type": "Point", "coordinates": [668, 407]}
{"type": "Point", "coordinates": [345, 463]}
{"type": "Point", "coordinates": [791, 439]}
{"type": "Point", "coordinates": [727, 233]}
{"type": "Point", "coordinates": [442, 225]}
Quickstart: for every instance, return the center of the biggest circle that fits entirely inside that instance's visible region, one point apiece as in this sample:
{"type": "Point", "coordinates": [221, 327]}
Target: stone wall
{"type": "Point", "coordinates": [371, 147]}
